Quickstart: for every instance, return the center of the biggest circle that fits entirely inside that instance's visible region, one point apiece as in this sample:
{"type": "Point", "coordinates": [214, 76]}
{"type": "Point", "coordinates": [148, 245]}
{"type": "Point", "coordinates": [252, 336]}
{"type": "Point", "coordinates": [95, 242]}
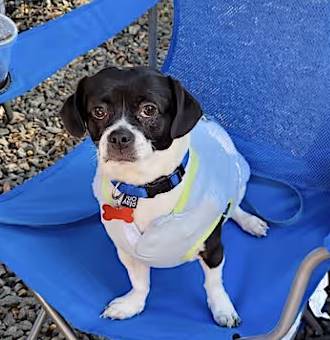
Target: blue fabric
{"type": "Point", "coordinates": [73, 263]}
{"type": "Point", "coordinates": [262, 69]}
{"type": "Point", "coordinates": [263, 73]}
{"type": "Point", "coordinates": [327, 242]}
{"type": "Point", "coordinates": [141, 191]}
{"type": "Point", "coordinates": [41, 51]}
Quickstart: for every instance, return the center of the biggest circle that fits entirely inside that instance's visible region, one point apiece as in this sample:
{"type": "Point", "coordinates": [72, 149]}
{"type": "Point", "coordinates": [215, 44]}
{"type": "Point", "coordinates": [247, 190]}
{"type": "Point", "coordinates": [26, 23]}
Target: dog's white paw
{"type": "Point", "coordinates": [227, 320]}
{"type": "Point", "coordinates": [125, 307]}
{"type": "Point", "coordinates": [254, 226]}
{"type": "Point", "coordinates": [225, 315]}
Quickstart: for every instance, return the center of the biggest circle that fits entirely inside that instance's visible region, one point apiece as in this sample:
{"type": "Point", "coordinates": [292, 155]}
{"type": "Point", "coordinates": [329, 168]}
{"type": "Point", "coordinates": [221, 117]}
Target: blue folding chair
{"type": "Point", "coordinates": [261, 69]}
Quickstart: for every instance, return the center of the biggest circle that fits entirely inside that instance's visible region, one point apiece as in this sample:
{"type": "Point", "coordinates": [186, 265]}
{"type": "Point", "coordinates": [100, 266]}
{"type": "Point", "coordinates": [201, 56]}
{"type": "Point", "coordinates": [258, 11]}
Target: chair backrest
{"type": "Point", "coordinates": [262, 69]}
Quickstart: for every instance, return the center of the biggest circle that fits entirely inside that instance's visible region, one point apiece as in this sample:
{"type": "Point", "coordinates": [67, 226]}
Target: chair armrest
{"type": "Point", "coordinates": [41, 51]}
{"type": "Point", "coordinates": [298, 288]}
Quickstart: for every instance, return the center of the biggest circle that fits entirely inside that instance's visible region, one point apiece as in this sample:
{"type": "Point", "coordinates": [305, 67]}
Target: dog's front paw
{"type": "Point", "coordinates": [224, 312]}
{"type": "Point", "coordinates": [255, 226]}
{"type": "Point", "coordinates": [229, 320]}
{"type": "Point", "coordinates": [125, 307]}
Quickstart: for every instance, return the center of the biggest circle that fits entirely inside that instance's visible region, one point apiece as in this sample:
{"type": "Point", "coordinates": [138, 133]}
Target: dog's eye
{"type": "Point", "coordinates": [99, 112]}
{"type": "Point", "coordinates": [148, 110]}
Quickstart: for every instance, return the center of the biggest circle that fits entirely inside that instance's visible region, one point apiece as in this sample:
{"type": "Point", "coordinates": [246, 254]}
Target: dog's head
{"type": "Point", "coordinates": [130, 113]}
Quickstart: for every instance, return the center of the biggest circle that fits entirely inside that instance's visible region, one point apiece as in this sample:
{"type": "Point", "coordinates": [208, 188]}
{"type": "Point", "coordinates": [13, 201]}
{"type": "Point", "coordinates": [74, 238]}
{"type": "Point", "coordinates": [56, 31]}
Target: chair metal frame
{"type": "Point", "coordinates": [288, 316]}
{"type": "Point", "coordinates": [298, 288]}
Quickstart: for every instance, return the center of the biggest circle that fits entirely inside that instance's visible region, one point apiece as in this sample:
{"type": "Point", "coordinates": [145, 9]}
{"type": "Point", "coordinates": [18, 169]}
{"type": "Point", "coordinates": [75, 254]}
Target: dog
{"type": "Point", "coordinates": [141, 123]}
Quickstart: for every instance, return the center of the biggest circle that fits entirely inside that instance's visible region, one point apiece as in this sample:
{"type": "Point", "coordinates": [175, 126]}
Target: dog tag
{"type": "Point", "coordinates": [129, 201]}
{"type": "Point", "coordinates": [113, 213]}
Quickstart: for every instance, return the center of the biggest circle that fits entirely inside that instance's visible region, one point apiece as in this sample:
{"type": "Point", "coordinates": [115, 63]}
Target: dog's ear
{"type": "Point", "coordinates": [73, 110]}
{"type": "Point", "coordinates": [188, 110]}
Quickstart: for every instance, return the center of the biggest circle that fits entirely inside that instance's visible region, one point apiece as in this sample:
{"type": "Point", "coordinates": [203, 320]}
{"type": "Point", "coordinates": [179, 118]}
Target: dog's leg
{"type": "Point", "coordinates": [133, 302]}
{"type": "Point", "coordinates": [250, 223]}
{"type": "Point", "coordinates": [212, 262]}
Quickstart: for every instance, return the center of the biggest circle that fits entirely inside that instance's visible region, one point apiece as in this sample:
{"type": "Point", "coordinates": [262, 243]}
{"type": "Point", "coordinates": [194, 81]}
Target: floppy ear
{"type": "Point", "coordinates": [188, 110]}
{"type": "Point", "coordinates": [72, 112]}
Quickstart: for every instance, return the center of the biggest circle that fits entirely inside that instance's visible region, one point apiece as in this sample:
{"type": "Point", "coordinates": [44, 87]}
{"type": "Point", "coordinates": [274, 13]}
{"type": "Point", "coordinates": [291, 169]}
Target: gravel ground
{"type": "Point", "coordinates": [35, 138]}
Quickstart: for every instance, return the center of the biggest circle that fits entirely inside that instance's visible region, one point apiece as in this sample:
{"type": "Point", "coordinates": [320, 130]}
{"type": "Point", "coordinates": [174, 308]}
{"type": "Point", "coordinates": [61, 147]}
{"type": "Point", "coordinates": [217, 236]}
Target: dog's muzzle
{"type": "Point", "coordinates": [121, 145]}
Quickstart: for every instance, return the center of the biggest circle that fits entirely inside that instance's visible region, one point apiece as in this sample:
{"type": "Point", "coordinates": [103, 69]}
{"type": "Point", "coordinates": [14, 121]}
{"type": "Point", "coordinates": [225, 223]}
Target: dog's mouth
{"type": "Point", "coordinates": [120, 156]}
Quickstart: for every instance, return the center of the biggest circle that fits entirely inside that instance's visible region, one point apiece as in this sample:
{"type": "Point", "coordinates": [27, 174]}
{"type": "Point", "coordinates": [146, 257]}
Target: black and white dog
{"type": "Point", "coordinates": [140, 121]}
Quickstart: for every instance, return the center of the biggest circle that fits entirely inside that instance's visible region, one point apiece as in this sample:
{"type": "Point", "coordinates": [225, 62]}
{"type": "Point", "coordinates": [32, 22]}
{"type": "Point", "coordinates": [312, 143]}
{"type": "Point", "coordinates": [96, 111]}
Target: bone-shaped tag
{"type": "Point", "coordinates": [111, 213]}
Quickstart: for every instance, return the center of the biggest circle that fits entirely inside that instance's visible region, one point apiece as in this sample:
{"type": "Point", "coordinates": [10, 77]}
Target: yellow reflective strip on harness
{"type": "Point", "coordinates": [105, 192]}
{"type": "Point", "coordinates": [194, 249]}
{"type": "Point", "coordinates": [188, 183]}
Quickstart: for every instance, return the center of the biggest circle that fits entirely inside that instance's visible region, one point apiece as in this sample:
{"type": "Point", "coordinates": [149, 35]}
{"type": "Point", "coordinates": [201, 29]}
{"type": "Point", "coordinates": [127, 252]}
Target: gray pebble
{"type": "Point", "coordinates": [5, 291]}
{"type": "Point", "coordinates": [21, 153]}
{"type": "Point", "coordinates": [37, 101]}
{"type": "Point", "coordinates": [9, 319]}
{"type": "Point", "coordinates": [11, 276]}
{"type": "Point", "coordinates": [133, 29]}
{"type": "Point", "coordinates": [4, 131]}
{"type": "Point", "coordinates": [18, 286]}
{"type": "Point", "coordinates": [25, 325]}
{"type": "Point", "coordinates": [14, 332]}
{"type": "Point", "coordinates": [10, 300]}
{"type": "Point", "coordinates": [3, 312]}
{"type": "Point", "coordinates": [30, 301]}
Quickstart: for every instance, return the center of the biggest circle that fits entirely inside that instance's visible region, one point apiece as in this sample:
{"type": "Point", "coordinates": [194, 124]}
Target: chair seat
{"type": "Point", "coordinates": [62, 251]}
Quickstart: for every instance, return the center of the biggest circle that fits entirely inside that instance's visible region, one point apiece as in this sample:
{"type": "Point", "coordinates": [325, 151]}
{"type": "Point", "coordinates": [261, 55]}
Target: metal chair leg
{"type": "Point", "coordinates": [152, 37]}
{"type": "Point", "coordinates": [63, 326]}
{"type": "Point", "coordinates": [37, 325]}
{"type": "Point", "coordinates": [298, 288]}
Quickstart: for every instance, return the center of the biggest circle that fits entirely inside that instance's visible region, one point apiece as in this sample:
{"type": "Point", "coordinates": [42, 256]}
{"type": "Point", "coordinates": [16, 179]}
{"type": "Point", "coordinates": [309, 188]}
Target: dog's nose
{"type": "Point", "coordinates": [121, 138]}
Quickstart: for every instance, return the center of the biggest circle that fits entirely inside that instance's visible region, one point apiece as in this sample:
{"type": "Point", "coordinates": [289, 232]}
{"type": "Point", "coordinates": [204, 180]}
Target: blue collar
{"type": "Point", "coordinates": [160, 185]}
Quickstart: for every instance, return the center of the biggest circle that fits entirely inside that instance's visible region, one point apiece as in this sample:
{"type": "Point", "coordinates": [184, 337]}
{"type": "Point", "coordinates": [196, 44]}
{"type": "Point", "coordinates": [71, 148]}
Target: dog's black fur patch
{"type": "Point", "coordinates": [212, 255]}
